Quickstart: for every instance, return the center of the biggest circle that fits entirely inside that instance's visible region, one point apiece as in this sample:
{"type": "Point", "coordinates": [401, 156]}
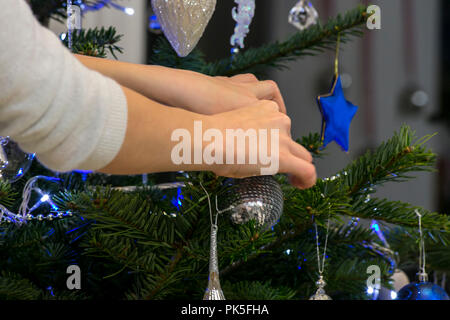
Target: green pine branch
{"type": "Point", "coordinates": [7, 194]}
{"type": "Point", "coordinates": [311, 41]}
{"type": "Point", "coordinates": [336, 196]}
{"type": "Point", "coordinates": [95, 42]}
{"type": "Point", "coordinates": [399, 213]}
{"type": "Point", "coordinates": [14, 287]}
{"type": "Point", "coordinates": [246, 290]}
{"type": "Point", "coordinates": [313, 143]}
{"type": "Point", "coordinates": [390, 162]}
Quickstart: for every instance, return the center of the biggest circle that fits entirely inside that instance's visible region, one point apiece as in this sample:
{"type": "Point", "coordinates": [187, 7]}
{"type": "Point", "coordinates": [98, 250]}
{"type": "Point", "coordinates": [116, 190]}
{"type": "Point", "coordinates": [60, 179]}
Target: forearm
{"type": "Point", "coordinates": [155, 82]}
{"type": "Point", "coordinates": [147, 146]}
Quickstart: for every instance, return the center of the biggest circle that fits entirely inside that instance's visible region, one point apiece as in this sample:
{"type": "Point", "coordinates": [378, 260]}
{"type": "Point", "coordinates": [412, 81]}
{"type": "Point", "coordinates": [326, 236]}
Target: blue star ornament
{"type": "Point", "coordinates": [337, 115]}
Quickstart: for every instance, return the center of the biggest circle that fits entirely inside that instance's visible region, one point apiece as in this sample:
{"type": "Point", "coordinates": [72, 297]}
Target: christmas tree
{"type": "Point", "coordinates": [149, 242]}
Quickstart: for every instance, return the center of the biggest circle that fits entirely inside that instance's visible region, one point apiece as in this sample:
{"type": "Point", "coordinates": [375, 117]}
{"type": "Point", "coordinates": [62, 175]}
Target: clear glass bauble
{"type": "Point", "coordinates": [14, 163]}
{"type": "Point", "coordinates": [303, 15]}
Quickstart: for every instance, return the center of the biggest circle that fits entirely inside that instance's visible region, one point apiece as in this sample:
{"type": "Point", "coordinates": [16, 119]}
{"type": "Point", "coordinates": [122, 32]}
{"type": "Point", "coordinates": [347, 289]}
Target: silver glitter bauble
{"type": "Point", "coordinates": [303, 15]}
{"type": "Point", "coordinates": [320, 293]}
{"type": "Point", "coordinates": [256, 198]}
{"type": "Point", "coordinates": [183, 21]}
{"type": "Point", "coordinates": [14, 163]}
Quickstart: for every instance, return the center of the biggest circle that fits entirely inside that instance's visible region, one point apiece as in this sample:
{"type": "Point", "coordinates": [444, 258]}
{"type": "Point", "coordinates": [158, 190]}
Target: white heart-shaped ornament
{"type": "Point", "coordinates": [183, 21]}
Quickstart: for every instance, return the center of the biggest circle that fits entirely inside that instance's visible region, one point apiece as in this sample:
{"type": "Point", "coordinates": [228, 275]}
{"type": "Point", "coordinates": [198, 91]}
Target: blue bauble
{"type": "Point", "coordinates": [422, 291]}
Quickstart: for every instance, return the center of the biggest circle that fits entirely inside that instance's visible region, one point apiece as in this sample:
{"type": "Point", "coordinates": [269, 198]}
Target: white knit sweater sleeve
{"type": "Point", "coordinates": [70, 116]}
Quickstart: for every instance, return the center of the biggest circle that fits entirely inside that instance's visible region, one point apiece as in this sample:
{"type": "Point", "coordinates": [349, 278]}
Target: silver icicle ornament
{"type": "Point", "coordinates": [213, 291]}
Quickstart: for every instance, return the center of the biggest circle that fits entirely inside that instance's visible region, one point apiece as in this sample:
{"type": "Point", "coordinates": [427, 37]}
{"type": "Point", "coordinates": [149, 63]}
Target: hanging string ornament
{"type": "Point", "coordinates": [243, 15]}
{"type": "Point", "coordinates": [422, 289]}
{"type": "Point", "coordinates": [214, 290]}
{"type": "Point", "coordinates": [303, 15]}
{"type": "Point", "coordinates": [14, 163]}
{"type": "Point", "coordinates": [320, 293]}
{"type": "Point", "coordinates": [337, 112]}
{"type": "Point", "coordinates": [183, 21]}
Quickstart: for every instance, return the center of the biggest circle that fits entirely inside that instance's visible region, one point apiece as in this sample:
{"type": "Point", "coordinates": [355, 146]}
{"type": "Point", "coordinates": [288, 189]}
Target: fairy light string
{"type": "Point", "coordinates": [25, 211]}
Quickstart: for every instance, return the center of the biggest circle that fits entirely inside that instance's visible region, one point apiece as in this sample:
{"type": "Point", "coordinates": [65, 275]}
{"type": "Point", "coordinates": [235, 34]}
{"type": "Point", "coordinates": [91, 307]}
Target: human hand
{"type": "Point", "coordinates": [212, 95]}
{"type": "Point", "coordinates": [192, 136]}
{"type": "Point", "coordinates": [292, 158]}
{"type": "Point", "coordinates": [185, 89]}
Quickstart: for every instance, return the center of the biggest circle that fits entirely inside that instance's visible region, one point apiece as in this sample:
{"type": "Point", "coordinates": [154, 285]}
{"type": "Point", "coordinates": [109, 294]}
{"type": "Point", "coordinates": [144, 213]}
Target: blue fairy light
{"type": "Point", "coordinates": [50, 289]}
{"type": "Point", "coordinates": [154, 24]}
{"type": "Point", "coordinates": [375, 227]}
{"type": "Point", "coordinates": [176, 201]}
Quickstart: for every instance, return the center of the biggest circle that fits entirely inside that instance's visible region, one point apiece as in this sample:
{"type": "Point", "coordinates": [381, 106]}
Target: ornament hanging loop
{"type": "Point", "coordinates": [422, 275]}
{"type": "Point", "coordinates": [336, 61]}
{"type": "Point", "coordinates": [213, 223]}
{"type": "Point", "coordinates": [321, 264]}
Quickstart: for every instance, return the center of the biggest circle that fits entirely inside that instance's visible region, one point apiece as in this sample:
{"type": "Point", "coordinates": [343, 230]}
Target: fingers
{"type": "Point", "coordinates": [298, 164]}
{"type": "Point", "coordinates": [300, 152]}
{"type": "Point", "coordinates": [302, 173]}
{"type": "Point", "coordinates": [269, 90]}
{"type": "Point", "coordinates": [244, 78]}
